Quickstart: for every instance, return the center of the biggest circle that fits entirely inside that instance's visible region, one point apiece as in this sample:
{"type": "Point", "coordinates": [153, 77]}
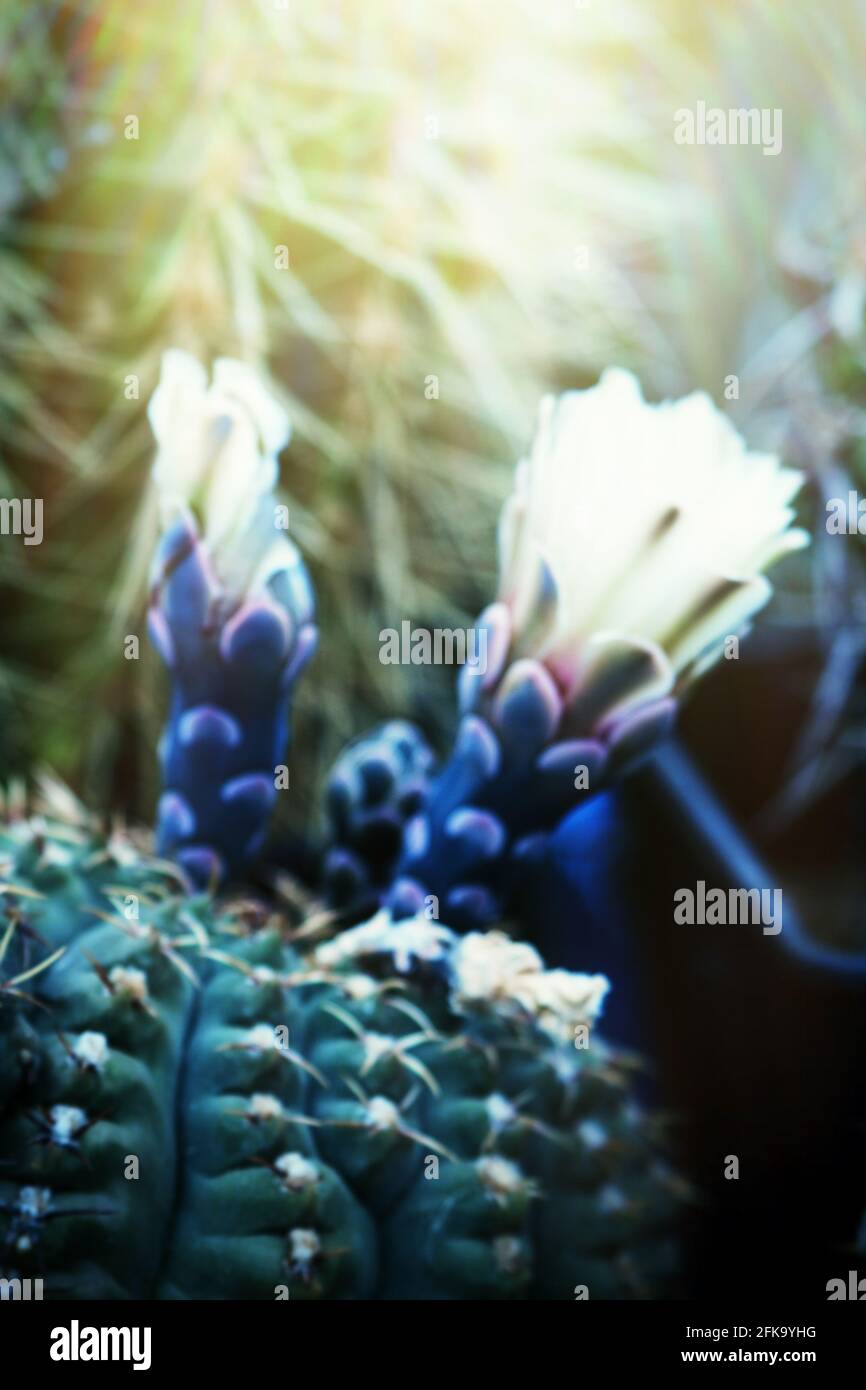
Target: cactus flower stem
{"type": "Point", "coordinates": [231, 613]}
{"type": "Point", "coordinates": [231, 681]}
{"type": "Point", "coordinates": [515, 773]}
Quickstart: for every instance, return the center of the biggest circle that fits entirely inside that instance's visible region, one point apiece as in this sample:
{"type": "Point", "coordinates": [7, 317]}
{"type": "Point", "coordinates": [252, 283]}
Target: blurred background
{"type": "Point", "coordinates": [479, 202]}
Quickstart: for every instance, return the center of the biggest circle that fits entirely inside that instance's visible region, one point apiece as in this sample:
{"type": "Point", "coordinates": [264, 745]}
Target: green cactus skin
{"type": "Point", "coordinates": [298, 1165]}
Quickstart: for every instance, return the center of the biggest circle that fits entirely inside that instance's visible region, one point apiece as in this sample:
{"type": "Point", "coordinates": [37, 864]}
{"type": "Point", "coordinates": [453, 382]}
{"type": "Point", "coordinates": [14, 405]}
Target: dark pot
{"type": "Point", "coordinates": [757, 1042]}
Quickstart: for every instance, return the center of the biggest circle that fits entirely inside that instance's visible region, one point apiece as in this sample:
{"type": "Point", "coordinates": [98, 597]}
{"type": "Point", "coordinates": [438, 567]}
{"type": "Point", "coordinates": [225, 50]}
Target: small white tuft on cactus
{"type": "Point", "coordinates": [592, 1134]}
{"type": "Point", "coordinates": [59, 855]}
{"type": "Point", "coordinates": [296, 1171]}
{"type": "Point", "coordinates": [382, 1115]}
{"type": "Point", "coordinates": [91, 1050]}
{"type": "Point", "coordinates": [411, 939]}
{"type": "Point", "coordinates": [34, 1201]}
{"type": "Point", "coordinates": [376, 1046]}
{"type": "Point", "coordinates": [129, 982]}
{"type": "Point", "coordinates": [264, 1107]}
{"type": "Point", "coordinates": [500, 1176]}
{"type": "Point", "coordinates": [263, 975]}
{"type": "Point", "coordinates": [66, 1122]}
{"type": "Point", "coordinates": [304, 1249]}
{"type": "Point", "coordinates": [565, 1066]}
{"type": "Point", "coordinates": [359, 986]}
{"type": "Point", "coordinates": [612, 1199]}
{"type": "Point", "coordinates": [509, 1254]}
{"type": "Point", "coordinates": [501, 1112]}
{"type": "Point", "coordinates": [489, 966]}
{"type": "Point", "coordinates": [565, 998]}
{"type": "Point", "coordinates": [260, 1038]}
{"type": "Point", "coordinates": [488, 969]}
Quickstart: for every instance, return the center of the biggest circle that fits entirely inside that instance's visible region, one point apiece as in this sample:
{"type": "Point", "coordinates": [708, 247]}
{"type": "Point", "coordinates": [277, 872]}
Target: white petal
{"type": "Point", "coordinates": [244, 384]}
{"type": "Point", "coordinates": [642, 515]}
{"type": "Point", "coordinates": [217, 458]}
{"type": "Point", "coordinates": [182, 384]}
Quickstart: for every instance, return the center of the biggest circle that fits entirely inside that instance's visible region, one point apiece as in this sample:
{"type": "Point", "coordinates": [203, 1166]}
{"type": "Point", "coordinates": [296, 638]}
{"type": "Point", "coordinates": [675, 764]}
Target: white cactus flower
{"type": "Point", "coordinates": [638, 526]}
{"type": "Point", "coordinates": [217, 448]}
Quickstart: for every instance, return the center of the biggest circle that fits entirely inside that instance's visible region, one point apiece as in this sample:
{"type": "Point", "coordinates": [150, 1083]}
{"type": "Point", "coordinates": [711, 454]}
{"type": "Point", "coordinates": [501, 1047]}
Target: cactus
{"type": "Point", "coordinates": [209, 1100]}
{"type": "Point", "coordinates": [219, 1098]}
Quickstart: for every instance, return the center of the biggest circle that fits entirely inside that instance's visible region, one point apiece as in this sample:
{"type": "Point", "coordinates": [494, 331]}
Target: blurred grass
{"type": "Point", "coordinates": [434, 170]}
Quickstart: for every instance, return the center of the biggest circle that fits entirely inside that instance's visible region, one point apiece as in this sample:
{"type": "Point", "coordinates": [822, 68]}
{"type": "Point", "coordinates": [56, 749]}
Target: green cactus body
{"type": "Point", "coordinates": [199, 1103]}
